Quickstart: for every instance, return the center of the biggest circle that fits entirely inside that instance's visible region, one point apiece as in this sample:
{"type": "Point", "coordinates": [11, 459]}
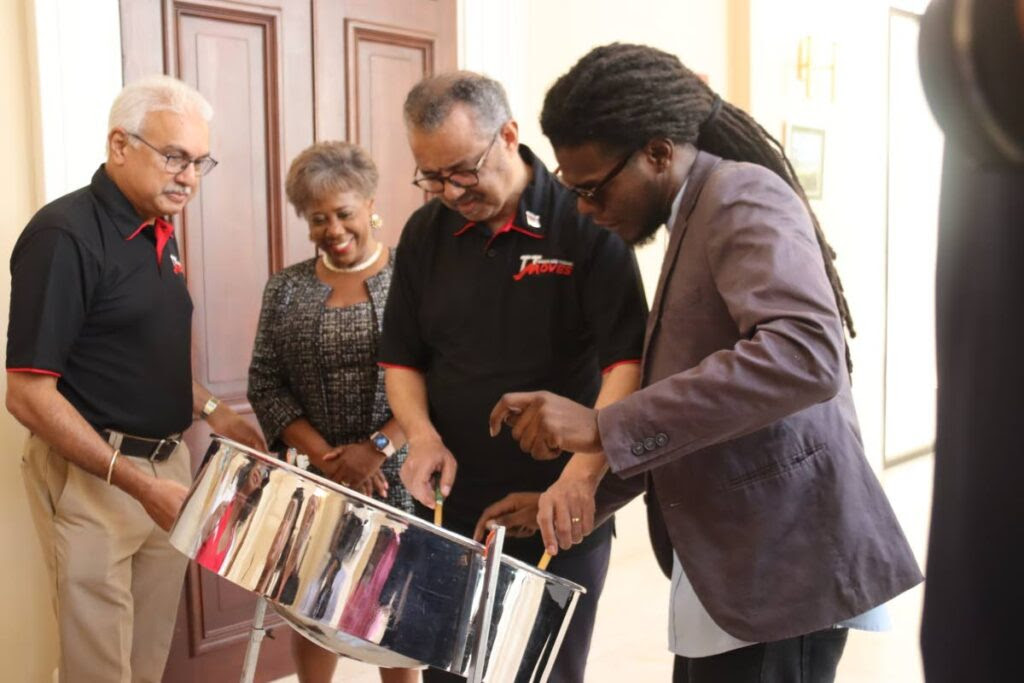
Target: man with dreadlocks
{"type": "Point", "coordinates": [761, 504]}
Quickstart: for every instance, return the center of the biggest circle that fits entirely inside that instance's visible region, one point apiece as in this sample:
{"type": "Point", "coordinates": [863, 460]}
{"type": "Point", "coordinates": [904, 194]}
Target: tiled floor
{"type": "Point", "coordinates": [629, 640]}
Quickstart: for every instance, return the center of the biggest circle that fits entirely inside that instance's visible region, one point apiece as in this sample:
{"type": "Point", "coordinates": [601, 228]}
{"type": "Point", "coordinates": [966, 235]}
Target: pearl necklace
{"type": "Point", "coordinates": [357, 267]}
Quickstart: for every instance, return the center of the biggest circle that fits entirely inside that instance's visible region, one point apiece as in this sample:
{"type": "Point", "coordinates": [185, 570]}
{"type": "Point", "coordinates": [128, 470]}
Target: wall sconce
{"type": "Point", "coordinates": [811, 65]}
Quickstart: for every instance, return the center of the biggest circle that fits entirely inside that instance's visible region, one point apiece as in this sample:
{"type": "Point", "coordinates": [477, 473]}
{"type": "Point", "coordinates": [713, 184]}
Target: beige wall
{"type": "Point", "coordinates": [853, 208]}
{"type": "Point", "coordinates": [26, 629]}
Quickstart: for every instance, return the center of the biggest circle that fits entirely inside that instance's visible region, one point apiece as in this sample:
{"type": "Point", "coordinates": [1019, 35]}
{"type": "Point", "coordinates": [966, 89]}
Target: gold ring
{"type": "Point", "coordinates": [575, 520]}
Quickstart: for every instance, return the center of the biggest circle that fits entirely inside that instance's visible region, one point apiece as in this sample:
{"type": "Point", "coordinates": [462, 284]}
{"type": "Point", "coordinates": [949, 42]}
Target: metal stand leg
{"type": "Point", "coordinates": [252, 652]}
{"type": "Point", "coordinates": [495, 541]}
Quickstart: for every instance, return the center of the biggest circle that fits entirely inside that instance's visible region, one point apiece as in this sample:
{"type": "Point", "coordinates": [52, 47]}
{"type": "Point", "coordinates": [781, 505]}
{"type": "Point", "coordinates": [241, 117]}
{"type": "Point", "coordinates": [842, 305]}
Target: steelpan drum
{"type": "Point", "coordinates": [362, 578]}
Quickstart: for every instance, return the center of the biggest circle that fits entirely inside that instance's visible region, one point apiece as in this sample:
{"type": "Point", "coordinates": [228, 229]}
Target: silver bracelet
{"type": "Point", "coordinates": [110, 467]}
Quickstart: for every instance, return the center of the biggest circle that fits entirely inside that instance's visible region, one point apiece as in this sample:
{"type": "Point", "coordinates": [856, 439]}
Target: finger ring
{"type": "Point", "coordinates": [575, 520]}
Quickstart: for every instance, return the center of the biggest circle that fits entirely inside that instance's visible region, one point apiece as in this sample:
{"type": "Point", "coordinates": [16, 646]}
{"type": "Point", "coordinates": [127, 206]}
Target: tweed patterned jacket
{"type": "Point", "coordinates": [299, 346]}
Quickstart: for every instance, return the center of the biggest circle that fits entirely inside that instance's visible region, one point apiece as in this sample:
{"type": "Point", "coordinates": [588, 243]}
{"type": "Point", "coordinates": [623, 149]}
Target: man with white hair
{"type": "Point", "coordinates": [99, 371]}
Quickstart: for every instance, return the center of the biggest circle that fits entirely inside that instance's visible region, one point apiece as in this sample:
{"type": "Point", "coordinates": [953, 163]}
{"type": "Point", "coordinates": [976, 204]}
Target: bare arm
{"type": "Point", "coordinates": [407, 396]}
{"type": "Point", "coordinates": [34, 401]}
{"type": "Point", "coordinates": [223, 420]}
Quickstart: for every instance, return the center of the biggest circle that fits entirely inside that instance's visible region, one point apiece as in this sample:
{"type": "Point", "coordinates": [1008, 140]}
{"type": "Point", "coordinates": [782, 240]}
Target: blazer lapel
{"type": "Point", "coordinates": [702, 167]}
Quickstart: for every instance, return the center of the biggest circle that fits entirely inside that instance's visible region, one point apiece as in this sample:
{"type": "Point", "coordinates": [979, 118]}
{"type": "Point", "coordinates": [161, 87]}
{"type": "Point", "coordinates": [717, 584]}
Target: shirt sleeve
{"type": "Point", "coordinates": [614, 303]}
{"type": "Point", "coordinates": [269, 392]}
{"type": "Point", "coordinates": [53, 278]}
{"type": "Point", "coordinates": [402, 343]}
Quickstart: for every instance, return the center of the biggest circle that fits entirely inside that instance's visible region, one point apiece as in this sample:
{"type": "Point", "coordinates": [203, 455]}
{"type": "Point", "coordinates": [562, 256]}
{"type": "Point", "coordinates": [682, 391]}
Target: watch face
{"type": "Point", "coordinates": [380, 442]}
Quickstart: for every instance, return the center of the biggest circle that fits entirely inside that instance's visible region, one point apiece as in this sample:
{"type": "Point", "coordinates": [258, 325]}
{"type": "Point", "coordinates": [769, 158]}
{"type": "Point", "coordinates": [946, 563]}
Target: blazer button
{"type": "Point", "coordinates": [638, 448]}
{"type": "Point", "coordinates": [649, 443]}
{"type": "Point", "coordinates": [661, 438]}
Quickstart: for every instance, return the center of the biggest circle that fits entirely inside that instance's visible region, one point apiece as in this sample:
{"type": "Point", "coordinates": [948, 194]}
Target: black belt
{"type": "Point", "coordinates": [156, 450]}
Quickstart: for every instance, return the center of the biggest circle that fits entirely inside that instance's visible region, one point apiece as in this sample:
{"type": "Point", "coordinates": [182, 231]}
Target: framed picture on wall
{"type": "Point", "coordinates": [805, 148]}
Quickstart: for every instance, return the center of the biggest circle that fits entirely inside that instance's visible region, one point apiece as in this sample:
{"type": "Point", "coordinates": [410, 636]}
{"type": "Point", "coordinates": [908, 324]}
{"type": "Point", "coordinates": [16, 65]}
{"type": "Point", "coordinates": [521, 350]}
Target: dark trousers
{"type": "Point", "coordinates": [589, 570]}
{"type": "Point", "coordinates": [812, 658]}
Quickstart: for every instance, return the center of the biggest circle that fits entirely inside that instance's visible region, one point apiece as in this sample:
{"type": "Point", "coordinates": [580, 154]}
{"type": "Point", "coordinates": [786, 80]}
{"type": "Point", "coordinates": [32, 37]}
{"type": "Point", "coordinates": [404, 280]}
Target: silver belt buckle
{"type": "Point", "coordinates": [159, 446]}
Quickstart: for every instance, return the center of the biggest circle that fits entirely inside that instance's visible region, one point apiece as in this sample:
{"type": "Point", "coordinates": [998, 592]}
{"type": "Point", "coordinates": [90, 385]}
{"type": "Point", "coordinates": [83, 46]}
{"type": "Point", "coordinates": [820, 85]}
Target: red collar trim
{"type": "Point", "coordinates": [509, 226]}
{"type": "Point", "coordinates": [158, 223]}
{"type": "Point", "coordinates": [527, 232]}
{"type": "Point", "coordinates": [137, 231]}
{"type": "Point", "coordinates": [462, 231]}
{"type": "Point", "coordinates": [163, 232]}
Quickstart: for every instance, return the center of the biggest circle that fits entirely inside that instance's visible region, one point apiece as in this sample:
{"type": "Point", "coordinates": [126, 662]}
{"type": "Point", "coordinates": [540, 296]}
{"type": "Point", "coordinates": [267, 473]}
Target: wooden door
{"type": "Point", "coordinates": [278, 73]}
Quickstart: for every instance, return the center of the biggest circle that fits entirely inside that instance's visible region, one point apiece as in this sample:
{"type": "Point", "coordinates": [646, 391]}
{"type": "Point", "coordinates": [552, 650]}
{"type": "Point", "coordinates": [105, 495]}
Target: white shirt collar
{"type": "Point", "coordinates": [675, 206]}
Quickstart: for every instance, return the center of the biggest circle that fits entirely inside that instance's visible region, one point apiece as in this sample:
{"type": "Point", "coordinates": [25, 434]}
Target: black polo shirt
{"type": "Point", "coordinates": [92, 305]}
{"type": "Point", "coordinates": [547, 302]}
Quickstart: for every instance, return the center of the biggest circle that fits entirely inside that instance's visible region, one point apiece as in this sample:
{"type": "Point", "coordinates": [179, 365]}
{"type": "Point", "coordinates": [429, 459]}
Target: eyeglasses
{"type": "Point", "coordinates": [434, 182]}
{"type": "Point", "coordinates": [590, 193]}
{"type": "Point", "coordinates": [177, 163]}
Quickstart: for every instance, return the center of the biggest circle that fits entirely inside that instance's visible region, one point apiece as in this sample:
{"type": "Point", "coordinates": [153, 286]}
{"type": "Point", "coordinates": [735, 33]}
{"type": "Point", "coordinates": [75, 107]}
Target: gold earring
{"type": "Point", "coordinates": [375, 222]}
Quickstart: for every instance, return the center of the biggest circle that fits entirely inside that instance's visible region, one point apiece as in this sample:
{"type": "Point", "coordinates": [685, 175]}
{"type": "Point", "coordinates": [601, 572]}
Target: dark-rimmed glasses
{"type": "Point", "coordinates": [589, 194]}
{"type": "Point", "coordinates": [434, 182]}
{"type": "Point", "coordinates": [177, 163]}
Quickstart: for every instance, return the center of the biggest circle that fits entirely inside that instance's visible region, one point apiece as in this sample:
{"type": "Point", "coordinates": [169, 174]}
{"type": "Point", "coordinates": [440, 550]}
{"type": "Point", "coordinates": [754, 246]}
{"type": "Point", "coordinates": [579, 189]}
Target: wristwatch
{"type": "Point", "coordinates": [210, 406]}
{"type": "Point", "coordinates": [382, 443]}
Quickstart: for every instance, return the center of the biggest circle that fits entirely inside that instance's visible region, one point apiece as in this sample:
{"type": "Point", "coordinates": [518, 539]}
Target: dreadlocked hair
{"type": "Point", "coordinates": [623, 95]}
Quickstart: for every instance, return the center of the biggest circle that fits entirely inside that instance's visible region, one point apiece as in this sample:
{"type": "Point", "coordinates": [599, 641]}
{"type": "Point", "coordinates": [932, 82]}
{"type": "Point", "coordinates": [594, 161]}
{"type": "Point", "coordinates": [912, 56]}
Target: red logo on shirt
{"type": "Point", "coordinates": [178, 268]}
{"type": "Point", "coordinates": [534, 264]}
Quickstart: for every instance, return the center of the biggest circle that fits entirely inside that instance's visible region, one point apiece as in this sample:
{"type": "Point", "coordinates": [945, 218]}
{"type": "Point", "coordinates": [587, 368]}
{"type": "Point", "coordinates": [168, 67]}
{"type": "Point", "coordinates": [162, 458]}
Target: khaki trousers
{"type": "Point", "coordinates": [115, 578]}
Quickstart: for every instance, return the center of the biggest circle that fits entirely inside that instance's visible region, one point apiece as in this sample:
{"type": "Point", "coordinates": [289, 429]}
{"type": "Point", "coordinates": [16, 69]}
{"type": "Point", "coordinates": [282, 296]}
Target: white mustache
{"type": "Point", "coordinates": [178, 189]}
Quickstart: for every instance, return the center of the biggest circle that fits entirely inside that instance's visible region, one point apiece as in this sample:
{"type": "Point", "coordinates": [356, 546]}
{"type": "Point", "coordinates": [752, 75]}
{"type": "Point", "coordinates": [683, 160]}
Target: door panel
{"type": "Point", "coordinates": [232, 228]}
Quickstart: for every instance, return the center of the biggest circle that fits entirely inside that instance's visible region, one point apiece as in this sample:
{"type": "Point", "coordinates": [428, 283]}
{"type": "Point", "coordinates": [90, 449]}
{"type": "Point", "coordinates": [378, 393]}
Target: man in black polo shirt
{"type": "Point", "coordinates": [99, 370]}
{"type": "Point", "coordinates": [500, 283]}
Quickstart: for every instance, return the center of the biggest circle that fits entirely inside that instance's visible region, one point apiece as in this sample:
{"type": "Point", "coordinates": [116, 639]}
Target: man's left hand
{"type": "Point", "coordinates": [227, 422]}
{"type": "Point", "coordinates": [546, 424]}
{"type": "Point", "coordinates": [565, 512]}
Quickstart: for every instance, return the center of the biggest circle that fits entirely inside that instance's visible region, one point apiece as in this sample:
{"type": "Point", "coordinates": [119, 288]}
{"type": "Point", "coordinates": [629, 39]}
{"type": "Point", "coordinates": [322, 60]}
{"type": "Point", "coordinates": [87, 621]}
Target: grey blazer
{"type": "Point", "coordinates": [744, 431]}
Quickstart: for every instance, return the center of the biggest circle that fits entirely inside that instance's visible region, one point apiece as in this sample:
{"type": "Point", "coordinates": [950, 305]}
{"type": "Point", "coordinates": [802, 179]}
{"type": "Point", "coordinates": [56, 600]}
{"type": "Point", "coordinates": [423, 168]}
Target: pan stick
{"type": "Point", "coordinates": [543, 564]}
{"type": "Point", "coordinates": [438, 502]}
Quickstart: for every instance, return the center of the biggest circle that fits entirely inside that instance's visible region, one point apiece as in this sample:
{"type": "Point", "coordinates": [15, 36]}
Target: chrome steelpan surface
{"type": "Point", "coordinates": [363, 578]}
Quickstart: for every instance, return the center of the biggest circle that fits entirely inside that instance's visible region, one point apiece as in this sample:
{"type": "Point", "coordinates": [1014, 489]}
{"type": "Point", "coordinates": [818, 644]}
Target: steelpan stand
{"type": "Point", "coordinates": [256, 634]}
{"type": "Point", "coordinates": [492, 549]}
